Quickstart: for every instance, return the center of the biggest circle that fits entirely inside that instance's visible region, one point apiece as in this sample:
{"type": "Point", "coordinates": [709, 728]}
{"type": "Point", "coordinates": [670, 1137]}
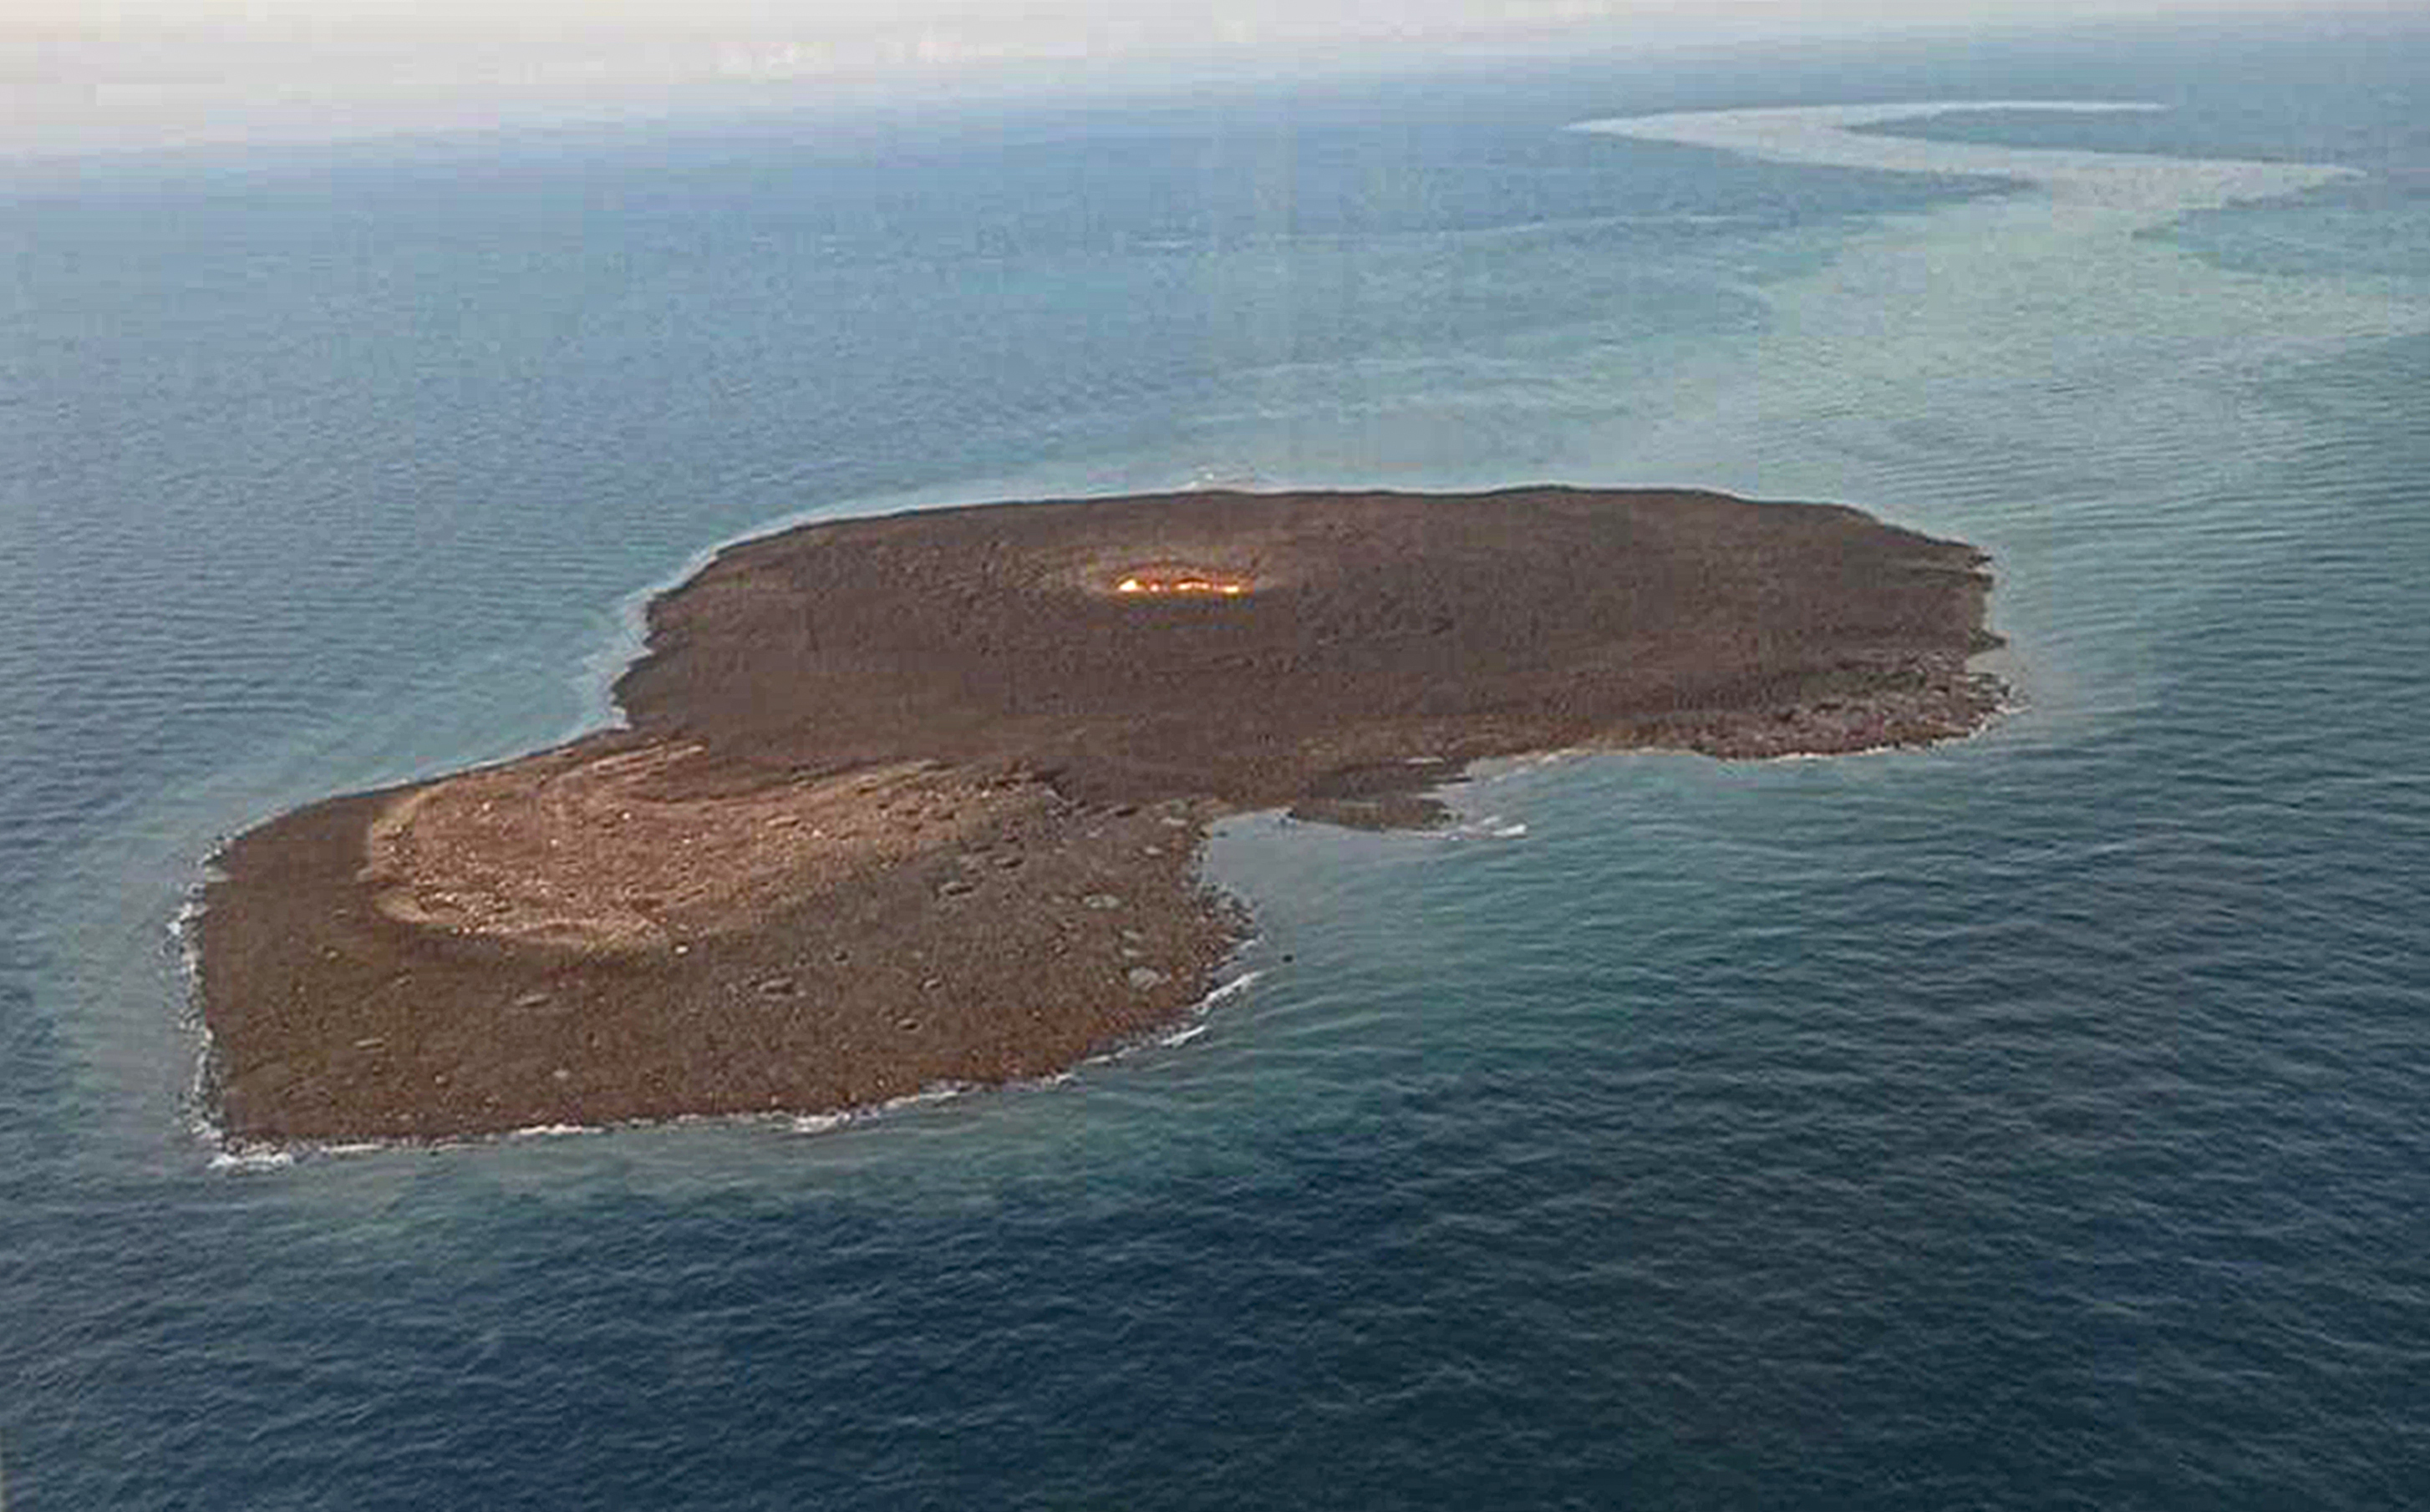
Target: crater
{"type": "Point", "coordinates": [1181, 580]}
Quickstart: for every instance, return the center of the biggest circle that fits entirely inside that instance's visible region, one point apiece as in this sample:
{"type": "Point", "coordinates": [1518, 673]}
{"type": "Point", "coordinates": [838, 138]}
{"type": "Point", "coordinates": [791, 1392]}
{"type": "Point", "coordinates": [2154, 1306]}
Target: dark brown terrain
{"type": "Point", "coordinates": [920, 799]}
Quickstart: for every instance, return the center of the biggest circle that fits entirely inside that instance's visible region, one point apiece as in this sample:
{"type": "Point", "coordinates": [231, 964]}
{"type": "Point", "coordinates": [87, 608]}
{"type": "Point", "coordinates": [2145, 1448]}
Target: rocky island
{"type": "Point", "coordinates": [920, 799]}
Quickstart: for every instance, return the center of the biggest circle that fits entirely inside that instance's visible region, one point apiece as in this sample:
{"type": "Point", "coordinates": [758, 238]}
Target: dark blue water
{"type": "Point", "coordinates": [2039, 1121]}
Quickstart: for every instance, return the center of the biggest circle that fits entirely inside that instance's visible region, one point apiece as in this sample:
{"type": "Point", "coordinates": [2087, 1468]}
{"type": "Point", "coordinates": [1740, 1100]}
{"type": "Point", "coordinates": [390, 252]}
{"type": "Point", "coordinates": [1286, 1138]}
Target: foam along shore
{"type": "Point", "coordinates": [920, 799]}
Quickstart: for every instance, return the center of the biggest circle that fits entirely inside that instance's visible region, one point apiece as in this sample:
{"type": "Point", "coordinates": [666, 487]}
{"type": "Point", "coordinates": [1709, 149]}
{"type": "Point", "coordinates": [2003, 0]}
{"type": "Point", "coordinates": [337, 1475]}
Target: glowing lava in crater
{"type": "Point", "coordinates": [1178, 581]}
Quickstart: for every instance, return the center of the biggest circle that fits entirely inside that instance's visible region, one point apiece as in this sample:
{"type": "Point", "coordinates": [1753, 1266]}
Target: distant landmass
{"type": "Point", "coordinates": [920, 800]}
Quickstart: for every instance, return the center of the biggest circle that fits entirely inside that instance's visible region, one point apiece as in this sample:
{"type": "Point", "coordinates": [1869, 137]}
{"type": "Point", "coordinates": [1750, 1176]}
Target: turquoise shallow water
{"type": "Point", "coordinates": [2036, 1122]}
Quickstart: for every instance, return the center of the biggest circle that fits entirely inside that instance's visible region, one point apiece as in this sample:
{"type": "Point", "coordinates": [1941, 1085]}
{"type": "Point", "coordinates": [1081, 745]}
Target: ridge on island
{"type": "Point", "coordinates": [920, 799]}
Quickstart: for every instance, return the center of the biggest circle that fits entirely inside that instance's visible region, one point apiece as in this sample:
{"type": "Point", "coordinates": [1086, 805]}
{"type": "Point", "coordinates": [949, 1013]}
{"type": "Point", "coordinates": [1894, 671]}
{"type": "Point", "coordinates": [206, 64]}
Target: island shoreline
{"type": "Point", "coordinates": [967, 817]}
{"type": "Point", "coordinates": [237, 1152]}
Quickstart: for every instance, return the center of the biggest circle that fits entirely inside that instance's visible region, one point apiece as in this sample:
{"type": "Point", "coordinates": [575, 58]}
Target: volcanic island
{"type": "Point", "coordinates": [920, 800]}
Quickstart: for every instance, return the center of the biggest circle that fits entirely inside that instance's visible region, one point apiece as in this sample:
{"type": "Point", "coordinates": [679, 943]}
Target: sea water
{"type": "Point", "coordinates": [2039, 1120]}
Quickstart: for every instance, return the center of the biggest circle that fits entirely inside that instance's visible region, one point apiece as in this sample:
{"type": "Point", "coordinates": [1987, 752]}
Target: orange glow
{"type": "Point", "coordinates": [1192, 583]}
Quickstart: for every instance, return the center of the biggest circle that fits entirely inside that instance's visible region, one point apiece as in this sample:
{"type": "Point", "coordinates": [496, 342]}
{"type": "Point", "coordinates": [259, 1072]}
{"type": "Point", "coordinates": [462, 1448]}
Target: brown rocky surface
{"type": "Point", "coordinates": [920, 799]}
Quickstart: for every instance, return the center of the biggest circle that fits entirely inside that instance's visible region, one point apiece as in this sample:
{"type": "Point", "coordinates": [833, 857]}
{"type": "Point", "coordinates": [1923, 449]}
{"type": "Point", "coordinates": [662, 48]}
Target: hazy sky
{"type": "Point", "coordinates": [84, 74]}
